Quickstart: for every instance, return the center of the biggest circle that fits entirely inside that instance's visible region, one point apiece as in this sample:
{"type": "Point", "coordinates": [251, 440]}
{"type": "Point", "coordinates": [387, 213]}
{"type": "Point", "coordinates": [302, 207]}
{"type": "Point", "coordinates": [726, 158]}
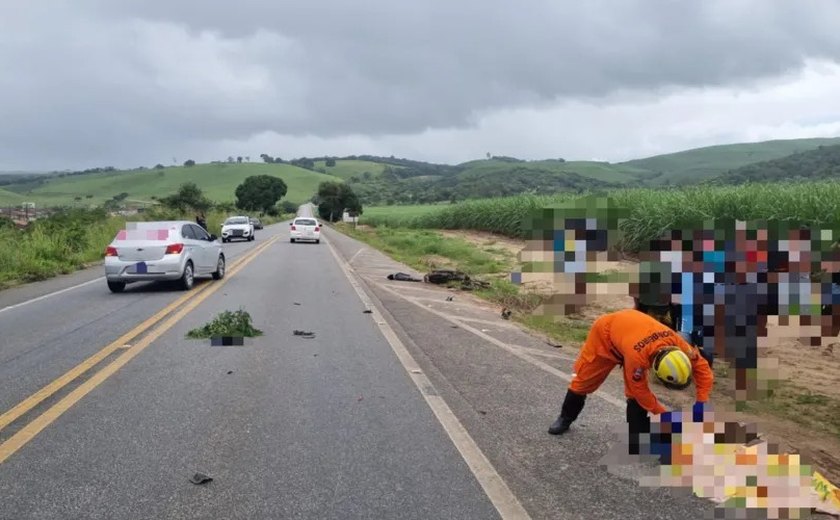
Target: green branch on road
{"type": "Point", "coordinates": [227, 324]}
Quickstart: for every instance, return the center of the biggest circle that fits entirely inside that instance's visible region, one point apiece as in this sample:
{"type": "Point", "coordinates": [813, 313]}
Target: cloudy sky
{"type": "Point", "coordinates": [134, 82]}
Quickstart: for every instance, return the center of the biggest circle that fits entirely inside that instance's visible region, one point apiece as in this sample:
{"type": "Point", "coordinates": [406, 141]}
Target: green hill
{"type": "Point", "coordinates": [218, 181]}
{"type": "Point", "coordinates": [820, 164]}
{"type": "Point", "coordinates": [347, 168]}
{"type": "Point", "coordinates": [599, 171]}
{"type": "Point", "coordinates": [704, 163]}
{"type": "Point", "coordinates": [8, 198]}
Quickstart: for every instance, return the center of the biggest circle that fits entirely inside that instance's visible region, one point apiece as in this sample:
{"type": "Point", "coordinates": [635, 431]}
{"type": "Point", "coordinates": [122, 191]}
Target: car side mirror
{"type": "Point", "coordinates": [213, 238]}
{"type": "Point", "coordinates": [290, 223]}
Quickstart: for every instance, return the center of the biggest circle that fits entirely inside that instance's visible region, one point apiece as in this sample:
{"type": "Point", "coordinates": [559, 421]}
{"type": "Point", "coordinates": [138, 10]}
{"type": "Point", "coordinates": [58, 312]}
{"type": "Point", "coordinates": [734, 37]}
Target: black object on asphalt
{"type": "Point", "coordinates": [450, 298]}
{"type": "Point", "coordinates": [200, 478]}
{"type": "Point", "coordinates": [445, 276]}
{"type": "Point", "coordinates": [230, 372]}
{"type": "Point", "coordinates": [506, 313]}
{"type": "Point", "coordinates": [304, 334]}
{"type": "Point", "coordinates": [227, 341]}
{"type": "Point", "coordinates": [402, 277]}
{"type": "Point", "coordinates": [367, 311]}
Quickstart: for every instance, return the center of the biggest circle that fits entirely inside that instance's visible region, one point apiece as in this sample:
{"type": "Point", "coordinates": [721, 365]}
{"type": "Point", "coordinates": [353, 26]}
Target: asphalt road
{"type": "Point", "coordinates": [425, 408]}
{"type": "Point", "coordinates": [328, 427]}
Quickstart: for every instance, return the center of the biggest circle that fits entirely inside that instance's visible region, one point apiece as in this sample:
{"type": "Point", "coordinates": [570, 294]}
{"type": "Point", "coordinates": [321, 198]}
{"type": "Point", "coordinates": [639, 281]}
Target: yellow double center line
{"type": "Point", "coordinates": [32, 429]}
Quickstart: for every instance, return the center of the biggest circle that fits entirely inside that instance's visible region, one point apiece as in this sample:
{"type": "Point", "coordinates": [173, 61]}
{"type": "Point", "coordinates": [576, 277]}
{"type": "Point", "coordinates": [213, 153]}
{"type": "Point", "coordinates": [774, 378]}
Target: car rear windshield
{"type": "Point", "coordinates": [143, 234]}
{"type": "Point", "coordinates": [305, 222]}
{"type": "Point", "coordinates": [237, 221]}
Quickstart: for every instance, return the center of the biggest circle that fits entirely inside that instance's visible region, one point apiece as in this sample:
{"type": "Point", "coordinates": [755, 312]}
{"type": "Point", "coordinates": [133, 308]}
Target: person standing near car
{"type": "Point", "coordinates": [201, 221]}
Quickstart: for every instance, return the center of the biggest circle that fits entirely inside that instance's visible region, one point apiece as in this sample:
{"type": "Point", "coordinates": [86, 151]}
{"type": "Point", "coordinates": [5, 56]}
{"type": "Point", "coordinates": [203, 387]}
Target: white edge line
{"type": "Point", "coordinates": [50, 295]}
{"type": "Point", "coordinates": [354, 256]}
{"type": "Point", "coordinates": [494, 486]}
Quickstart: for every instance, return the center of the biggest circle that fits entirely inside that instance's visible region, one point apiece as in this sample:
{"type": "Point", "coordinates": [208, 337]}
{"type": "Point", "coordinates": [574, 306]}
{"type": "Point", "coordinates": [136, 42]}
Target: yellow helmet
{"type": "Point", "coordinates": [672, 367]}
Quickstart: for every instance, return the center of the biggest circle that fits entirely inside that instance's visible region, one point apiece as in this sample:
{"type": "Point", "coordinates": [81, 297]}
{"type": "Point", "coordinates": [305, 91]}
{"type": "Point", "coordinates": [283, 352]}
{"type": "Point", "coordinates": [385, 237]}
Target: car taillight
{"type": "Point", "coordinates": [294, 228]}
{"type": "Point", "coordinates": [317, 228]}
{"type": "Point", "coordinates": [111, 251]}
{"type": "Point", "coordinates": [174, 249]}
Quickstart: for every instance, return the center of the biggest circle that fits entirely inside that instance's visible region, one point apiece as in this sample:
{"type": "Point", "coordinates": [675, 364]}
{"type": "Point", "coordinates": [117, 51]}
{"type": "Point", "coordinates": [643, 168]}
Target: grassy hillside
{"type": "Point", "coordinates": [822, 163]}
{"type": "Point", "coordinates": [599, 171]}
{"type": "Point", "coordinates": [218, 181]}
{"type": "Point", "coordinates": [347, 168]}
{"type": "Point", "coordinates": [8, 198]}
{"type": "Point", "coordinates": [704, 163]}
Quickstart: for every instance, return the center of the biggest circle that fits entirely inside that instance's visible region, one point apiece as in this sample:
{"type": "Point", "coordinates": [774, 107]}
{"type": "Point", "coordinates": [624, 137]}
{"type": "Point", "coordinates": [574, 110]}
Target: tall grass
{"type": "Point", "coordinates": [651, 212]}
{"type": "Point", "coordinates": [71, 240]}
{"type": "Point", "coordinates": [59, 244]}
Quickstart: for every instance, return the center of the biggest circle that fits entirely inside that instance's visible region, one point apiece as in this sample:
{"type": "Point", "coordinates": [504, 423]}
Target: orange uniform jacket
{"type": "Point", "coordinates": [631, 337]}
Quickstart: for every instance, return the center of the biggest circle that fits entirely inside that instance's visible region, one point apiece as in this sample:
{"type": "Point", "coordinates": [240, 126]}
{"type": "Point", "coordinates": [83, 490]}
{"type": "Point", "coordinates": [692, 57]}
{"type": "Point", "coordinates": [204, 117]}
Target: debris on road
{"type": "Point", "coordinates": [402, 277]}
{"type": "Point", "coordinates": [446, 276]}
{"type": "Point", "coordinates": [482, 412]}
{"type": "Point", "coordinates": [450, 298]}
{"type": "Point", "coordinates": [360, 398]}
{"type": "Point", "coordinates": [506, 313]}
{"type": "Point", "coordinates": [304, 334]}
{"type": "Point", "coordinates": [230, 372]}
{"type": "Point", "coordinates": [367, 311]}
{"type": "Point", "coordinates": [296, 303]}
{"type": "Point", "coordinates": [227, 325]}
{"type": "Point", "coordinates": [200, 478]}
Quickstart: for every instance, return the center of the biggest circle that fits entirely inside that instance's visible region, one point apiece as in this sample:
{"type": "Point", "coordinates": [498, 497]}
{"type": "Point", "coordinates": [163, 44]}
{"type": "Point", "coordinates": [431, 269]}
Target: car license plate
{"type": "Point", "coordinates": [139, 268]}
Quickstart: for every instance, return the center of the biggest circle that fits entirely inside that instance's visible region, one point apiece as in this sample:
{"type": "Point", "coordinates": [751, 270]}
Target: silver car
{"type": "Point", "coordinates": [163, 251]}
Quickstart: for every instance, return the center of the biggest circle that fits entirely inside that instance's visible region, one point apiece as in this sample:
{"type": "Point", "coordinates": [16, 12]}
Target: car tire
{"type": "Point", "coordinates": [292, 240]}
{"type": "Point", "coordinates": [188, 277]}
{"type": "Point", "coordinates": [317, 240]}
{"type": "Point", "coordinates": [220, 268]}
{"type": "Point", "coordinates": [116, 287]}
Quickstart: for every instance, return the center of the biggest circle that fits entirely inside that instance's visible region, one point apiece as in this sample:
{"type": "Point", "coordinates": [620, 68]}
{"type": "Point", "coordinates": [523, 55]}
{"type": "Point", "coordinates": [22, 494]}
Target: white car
{"type": "Point", "coordinates": [237, 227]}
{"type": "Point", "coordinates": [160, 251]}
{"type": "Point", "coordinates": [305, 228]}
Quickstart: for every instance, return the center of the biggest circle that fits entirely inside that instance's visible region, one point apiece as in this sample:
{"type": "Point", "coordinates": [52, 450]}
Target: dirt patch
{"type": "Point", "coordinates": [488, 241]}
{"type": "Point", "coordinates": [432, 262]}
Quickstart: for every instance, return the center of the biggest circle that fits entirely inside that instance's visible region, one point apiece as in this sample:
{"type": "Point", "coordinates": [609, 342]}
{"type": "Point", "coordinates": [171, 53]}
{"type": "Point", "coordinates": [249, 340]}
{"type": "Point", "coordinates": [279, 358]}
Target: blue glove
{"type": "Point", "coordinates": [666, 417]}
{"type": "Point", "coordinates": [697, 411]}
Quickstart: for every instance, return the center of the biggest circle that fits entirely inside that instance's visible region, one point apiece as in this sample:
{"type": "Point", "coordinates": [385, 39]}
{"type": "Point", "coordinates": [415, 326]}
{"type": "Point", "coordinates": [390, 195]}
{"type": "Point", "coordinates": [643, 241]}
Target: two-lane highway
{"type": "Point", "coordinates": [288, 427]}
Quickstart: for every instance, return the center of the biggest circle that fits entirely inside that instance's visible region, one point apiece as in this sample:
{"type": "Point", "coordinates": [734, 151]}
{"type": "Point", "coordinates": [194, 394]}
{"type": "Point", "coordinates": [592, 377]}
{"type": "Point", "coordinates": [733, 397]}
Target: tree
{"type": "Point", "coordinates": [334, 198]}
{"type": "Point", "coordinates": [330, 163]}
{"type": "Point", "coordinates": [247, 158]}
{"type": "Point", "coordinates": [266, 158]}
{"type": "Point", "coordinates": [239, 159]}
{"type": "Point", "coordinates": [289, 207]}
{"type": "Point", "coordinates": [159, 166]}
{"type": "Point", "coordinates": [189, 196]}
{"type": "Point", "coordinates": [260, 193]}
{"type": "Point", "coordinates": [189, 162]}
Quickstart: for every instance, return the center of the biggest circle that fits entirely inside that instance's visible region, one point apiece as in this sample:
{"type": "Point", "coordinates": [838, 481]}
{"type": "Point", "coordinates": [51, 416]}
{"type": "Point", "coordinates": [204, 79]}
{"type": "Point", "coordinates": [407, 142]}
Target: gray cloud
{"type": "Point", "coordinates": [93, 81]}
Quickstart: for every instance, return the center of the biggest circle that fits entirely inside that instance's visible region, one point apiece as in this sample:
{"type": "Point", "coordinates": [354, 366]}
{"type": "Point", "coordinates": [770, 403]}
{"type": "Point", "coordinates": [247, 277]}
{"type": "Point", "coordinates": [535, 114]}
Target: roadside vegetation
{"type": "Point", "coordinates": [651, 212]}
{"type": "Point", "coordinates": [75, 238]}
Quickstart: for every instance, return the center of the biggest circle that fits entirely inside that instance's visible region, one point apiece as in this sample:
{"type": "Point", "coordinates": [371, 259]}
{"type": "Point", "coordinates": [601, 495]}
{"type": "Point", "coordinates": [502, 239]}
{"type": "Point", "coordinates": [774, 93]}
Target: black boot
{"type": "Point", "coordinates": [572, 405]}
{"type": "Point", "coordinates": [560, 426]}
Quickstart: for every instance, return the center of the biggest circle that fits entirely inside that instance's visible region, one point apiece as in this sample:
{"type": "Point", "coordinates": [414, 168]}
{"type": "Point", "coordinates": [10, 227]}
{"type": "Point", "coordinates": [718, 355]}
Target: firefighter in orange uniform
{"type": "Point", "coordinates": [639, 340]}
